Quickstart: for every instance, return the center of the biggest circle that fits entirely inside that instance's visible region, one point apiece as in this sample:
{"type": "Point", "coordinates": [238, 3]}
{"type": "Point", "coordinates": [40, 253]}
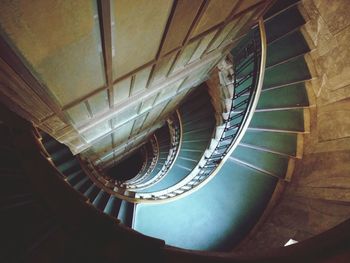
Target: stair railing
{"type": "Point", "coordinates": [154, 159]}
{"type": "Point", "coordinates": [175, 129]}
{"type": "Point", "coordinates": [235, 125]}
{"type": "Point", "coordinates": [114, 188]}
{"type": "Point", "coordinates": [243, 104]}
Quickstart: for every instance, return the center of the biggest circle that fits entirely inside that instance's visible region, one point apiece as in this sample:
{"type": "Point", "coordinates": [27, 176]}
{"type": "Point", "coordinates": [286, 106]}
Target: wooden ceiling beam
{"type": "Point", "coordinates": [186, 40]}
{"type": "Point", "coordinates": [96, 140]}
{"type": "Point", "coordinates": [174, 51]}
{"type": "Point", "coordinates": [151, 91]}
{"type": "Point", "coordinates": [144, 132]}
{"type": "Point", "coordinates": [104, 14]}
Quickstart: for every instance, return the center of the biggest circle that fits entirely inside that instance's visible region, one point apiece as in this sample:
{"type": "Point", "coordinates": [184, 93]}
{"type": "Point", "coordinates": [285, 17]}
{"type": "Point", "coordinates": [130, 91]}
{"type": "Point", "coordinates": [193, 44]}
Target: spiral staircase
{"type": "Point", "coordinates": [191, 191]}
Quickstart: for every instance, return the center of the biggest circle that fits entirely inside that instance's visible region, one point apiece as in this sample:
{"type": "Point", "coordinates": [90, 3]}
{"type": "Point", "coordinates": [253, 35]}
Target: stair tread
{"type": "Point", "coordinates": [297, 71]}
{"type": "Point", "coordinates": [293, 120]}
{"type": "Point", "coordinates": [280, 142]}
{"type": "Point", "coordinates": [237, 196]}
{"type": "Point", "coordinates": [283, 23]}
{"type": "Point", "coordinates": [273, 163]}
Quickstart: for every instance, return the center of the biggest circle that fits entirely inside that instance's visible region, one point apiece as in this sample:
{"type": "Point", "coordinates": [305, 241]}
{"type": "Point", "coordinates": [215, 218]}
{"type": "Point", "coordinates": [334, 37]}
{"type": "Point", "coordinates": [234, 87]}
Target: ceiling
{"type": "Point", "coordinates": [101, 76]}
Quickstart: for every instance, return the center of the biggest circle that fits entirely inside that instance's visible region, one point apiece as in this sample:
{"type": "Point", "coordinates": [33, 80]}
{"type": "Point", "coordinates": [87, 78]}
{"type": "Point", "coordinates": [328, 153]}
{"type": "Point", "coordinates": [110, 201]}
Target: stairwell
{"type": "Point", "coordinates": [234, 206]}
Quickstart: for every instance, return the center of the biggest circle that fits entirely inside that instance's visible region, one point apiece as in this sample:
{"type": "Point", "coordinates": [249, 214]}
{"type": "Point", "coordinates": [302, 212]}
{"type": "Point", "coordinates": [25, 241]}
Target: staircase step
{"type": "Point", "coordinates": [294, 95]}
{"type": "Point", "coordinates": [266, 161]}
{"type": "Point", "coordinates": [284, 120]}
{"type": "Point", "coordinates": [289, 46]}
{"type": "Point", "coordinates": [196, 155]}
{"type": "Point", "coordinates": [236, 197]}
{"type": "Point", "coordinates": [174, 175]}
{"type": "Point", "coordinates": [287, 73]}
{"type": "Point", "coordinates": [284, 143]}
{"type": "Point", "coordinates": [101, 200]}
{"type": "Point", "coordinates": [279, 7]}
{"type": "Point", "coordinates": [195, 102]}
{"type": "Point", "coordinates": [283, 23]}
{"type": "Point", "coordinates": [285, 49]}
{"type": "Point", "coordinates": [69, 166]}
{"type": "Point", "coordinates": [163, 146]}
{"type": "Point", "coordinates": [200, 145]}
{"type": "Point", "coordinates": [60, 155]}
{"type": "Point", "coordinates": [51, 145]}
{"type": "Point", "coordinates": [75, 177]}
{"type": "Point", "coordinates": [199, 124]}
{"type": "Point", "coordinates": [197, 134]}
{"type": "Point", "coordinates": [194, 105]}
{"type": "Point", "coordinates": [92, 192]}
{"type": "Point", "coordinates": [126, 213]}
{"type": "Point", "coordinates": [112, 206]}
{"type": "Point", "coordinates": [199, 113]}
{"type": "Point", "coordinates": [185, 163]}
{"type": "Point", "coordinates": [83, 184]}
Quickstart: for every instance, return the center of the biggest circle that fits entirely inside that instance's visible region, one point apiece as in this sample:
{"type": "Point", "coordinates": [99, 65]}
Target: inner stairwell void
{"type": "Point", "coordinates": [200, 181]}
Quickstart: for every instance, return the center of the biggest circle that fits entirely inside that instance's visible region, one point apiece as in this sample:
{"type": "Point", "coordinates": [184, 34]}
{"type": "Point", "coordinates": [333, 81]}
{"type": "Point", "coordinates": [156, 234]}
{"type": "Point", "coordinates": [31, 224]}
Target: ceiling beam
{"type": "Point", "coordinates": [145, 94]}
{"type": "Point", "coordinates": [133, 139]}
{"type": "Point", "coordinates": [96, 140]}
{"type": "Point", "coordinates": [188, 40]}
{"type": "Point", "coordinates": [104, 14]}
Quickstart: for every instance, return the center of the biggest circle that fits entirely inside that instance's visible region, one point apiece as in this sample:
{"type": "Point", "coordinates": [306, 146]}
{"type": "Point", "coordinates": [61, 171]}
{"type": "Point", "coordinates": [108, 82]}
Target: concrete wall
{"type": "Point", "coordinates": [318, 197]}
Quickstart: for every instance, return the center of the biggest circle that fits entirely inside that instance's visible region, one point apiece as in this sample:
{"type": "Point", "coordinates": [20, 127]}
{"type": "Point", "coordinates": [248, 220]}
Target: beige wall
{"type": "Point", "coordinates": [318, 196]}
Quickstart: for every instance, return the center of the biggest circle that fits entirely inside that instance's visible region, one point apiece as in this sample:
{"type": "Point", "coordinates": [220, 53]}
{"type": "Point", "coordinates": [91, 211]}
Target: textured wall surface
{"type": "Point", "coordinates": [318, 197]}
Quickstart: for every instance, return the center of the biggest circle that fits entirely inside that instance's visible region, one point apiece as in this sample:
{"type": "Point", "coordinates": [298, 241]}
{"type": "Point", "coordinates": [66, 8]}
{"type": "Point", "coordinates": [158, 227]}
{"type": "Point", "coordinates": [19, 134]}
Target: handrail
{"type": "Point", "coordinates": [69, 205]}
{"type": "Point", "coordinates": [227, 143]}
{"type": "Point", "coordinates": [143, 174]}
{"type": "Point", "coordinates": [175, 128]}
{"type": "Point", "coordinates": [145, 154]}
{"type": "Point", "coordinates": [128, 194]}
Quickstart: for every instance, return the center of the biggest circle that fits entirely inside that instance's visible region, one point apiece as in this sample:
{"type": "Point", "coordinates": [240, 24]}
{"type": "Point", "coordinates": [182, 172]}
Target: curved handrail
{"type": "Point", "coordinates": [143, 174]}
{"type": "Point", "coordinates": [126, 193]}
{"type": "Point", "coordinates": [176, 141]}
{"type": "Point", "coordinates": [216, 160]}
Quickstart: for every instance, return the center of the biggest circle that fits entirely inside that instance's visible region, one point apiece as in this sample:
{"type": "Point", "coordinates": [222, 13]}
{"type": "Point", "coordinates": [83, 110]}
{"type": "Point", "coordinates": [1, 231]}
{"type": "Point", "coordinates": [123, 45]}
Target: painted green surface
{"type": "Point", "coordinates": [201, 134]}
{"type": "Point", "coordinates": [198, 124]}
{"type": "Point", "coordinates": [163, 138]}
{"type": "Point", "coordinates": [273, 163]}
{"type": "Point", "coordinates": [287, 120]}
{"type": "Point", "coordinates": [194, 145]}
{"type": "Point", "coordinates": [221, 213]}
{"type": "Point", "coordinates": [214, 218]}
{"type": "Point", "coordinates": [294, 95]}
{"type": "Point", "coordinates": [202, 123]}
{"type": "Point", "coordinates": [289, 46]}
{"type": "Point", "coordinates": [275, 141]}
{"type": "Point", "coordinates": [125, 214]}
{"type": "Point", "coordinates": [193, 154]}
{"type": "Point", "coordinates": [286, 73]}
{"type": "Point", "coordinates": [283, 23]}
{"type": "Point", "coordinates": [278, 6]}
